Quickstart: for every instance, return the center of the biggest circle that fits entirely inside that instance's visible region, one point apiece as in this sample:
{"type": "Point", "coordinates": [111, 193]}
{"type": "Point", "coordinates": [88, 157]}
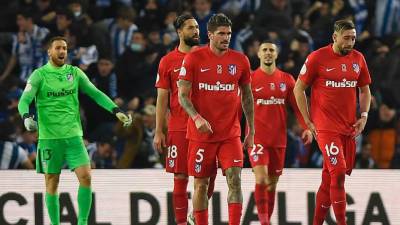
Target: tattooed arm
{"type": "Point", "coordinates": [248, 109]}
{"type": "Point", "coordinates": [184, 88]}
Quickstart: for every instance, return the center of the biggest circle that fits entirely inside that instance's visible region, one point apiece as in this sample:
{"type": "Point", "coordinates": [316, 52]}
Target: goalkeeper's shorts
{"type": "Point", "coordinates": [52, 154]}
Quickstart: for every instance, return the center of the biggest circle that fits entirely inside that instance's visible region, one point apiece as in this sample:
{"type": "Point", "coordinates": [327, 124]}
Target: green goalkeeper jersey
{"type": "Point", "coordinates": [56, 90]}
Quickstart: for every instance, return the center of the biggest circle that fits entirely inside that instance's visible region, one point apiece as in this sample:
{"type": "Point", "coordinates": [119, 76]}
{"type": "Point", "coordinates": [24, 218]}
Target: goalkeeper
{"type": "Point", "coordinates": [55, 87]}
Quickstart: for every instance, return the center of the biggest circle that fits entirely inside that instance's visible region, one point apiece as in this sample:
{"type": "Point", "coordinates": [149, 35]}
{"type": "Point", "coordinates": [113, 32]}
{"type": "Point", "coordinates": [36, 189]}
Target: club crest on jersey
{"type": "Point", "coordinates": [171, 163]}
{"type": "Point", "coordinates": [219, 69]}
{"type": "Point", "coordinates": [272, 86]}
{"type": "Point", "coordinates": [282, 87]}
{"type": "Point", "coordinates": [232, 69]}
{"type": "Point", "coordinates": [356, 67]}
{"type": "Point", "coordinates": [70, 78]}
{"type": "Point", "coordinates": [197, 167]}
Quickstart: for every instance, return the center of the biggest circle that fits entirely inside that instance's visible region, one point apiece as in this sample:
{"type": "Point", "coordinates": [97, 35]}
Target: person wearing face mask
{"type": "Point", "coordinates": [121, 29]}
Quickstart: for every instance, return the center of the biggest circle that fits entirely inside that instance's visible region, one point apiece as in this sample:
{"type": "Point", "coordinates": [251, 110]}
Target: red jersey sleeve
{"type": "Point", "coordinates": [245, 77]}
{"type": "Point", "coordinates": [364, 78]}
{"type": "Point", "coordinates": [163, 80]}
{"type": "Point", "coordinates": [293, 103]}
{"type": "Point", "coordinates": [309, 71]}
{"type": "Point", "coordinates": [187, 69]}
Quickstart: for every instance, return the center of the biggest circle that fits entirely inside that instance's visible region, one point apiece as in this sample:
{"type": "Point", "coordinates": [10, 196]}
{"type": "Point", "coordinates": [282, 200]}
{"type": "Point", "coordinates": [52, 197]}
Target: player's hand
{"type": "Point", "coordinates": [159, 141]}
{"type": "Point", "coordinates": [29, 123]}
{"type": "Point", "coordinates": [307, 136]}
{"type": "Point", "coordinates": [359, 126]}
{"type": "Point", "coordinates": [126, 119]}
{"type": "Point", "coordinates": [248, 141]}
{"type": "Point", "coordinates": [202, 125]}
{"type": "Point", "coordinates": [311, 127]}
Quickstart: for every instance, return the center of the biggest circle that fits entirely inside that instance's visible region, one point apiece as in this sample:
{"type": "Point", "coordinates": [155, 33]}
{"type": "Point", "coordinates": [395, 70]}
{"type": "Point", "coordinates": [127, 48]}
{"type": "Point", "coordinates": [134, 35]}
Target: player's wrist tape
{"type": "Point", "coordinates": [364, 114]}
{"type": "Point", "coordinates": [116, 110]}
{"type": "Point", "coordinates": [26, 115]}
{"type": "Point", "coordinates": [196, 117]}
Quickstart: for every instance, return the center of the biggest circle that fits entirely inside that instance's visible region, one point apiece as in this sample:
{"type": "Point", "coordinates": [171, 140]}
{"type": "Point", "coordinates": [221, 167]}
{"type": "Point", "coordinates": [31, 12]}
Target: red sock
{"type": "Point", "coordinates": [211, 186]}
{"type": "Point", "coordinates": [271, 203]}
{"type": "Point", "coordinates": [323, 201]}
{"type": "Point", "coordinates": [201, 217]}
{"type": "Point", "coordinates": [260, 196]}
{"type": "Point", "coordinates": [235, 213]}
{"type": "Point", "coordinates": [338, 195]}
{"type": "Point", "coordinates": [180, 200]}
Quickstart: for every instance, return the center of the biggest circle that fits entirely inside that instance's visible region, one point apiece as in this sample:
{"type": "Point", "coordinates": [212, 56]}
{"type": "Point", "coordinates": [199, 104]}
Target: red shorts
{"type": "Point", "coordinates": [177, 152]}
{"type": "Point", "coordinates": [274, 158]}
{"type": "Point", "coordinates": [203, 156]}
{"type": "Point", "coordinates": [338, 150]}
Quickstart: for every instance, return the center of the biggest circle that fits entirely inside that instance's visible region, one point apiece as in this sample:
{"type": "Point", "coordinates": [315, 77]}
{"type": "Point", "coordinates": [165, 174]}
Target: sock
{"type": "Point", "coordinates": [211, 185]}
{"type": "Point", "coordinates": [180, 200]}
{"type": "Point", "coordinates": [260, 197]}
{"type": "Point", "coordinates": [53, 208]}
{"type": "Point", "coordinates": [235, 213]}
{"type": "Point", "coordinates": [84, 204]}
{"type": "Point", "coordinates": [323, 201]}
{"type": "Point", "coordinates": [201, 217]}
{"type": "Point", "coordinates": [271, 203]}
{"type": "Point", "coordinates": [338, 195]}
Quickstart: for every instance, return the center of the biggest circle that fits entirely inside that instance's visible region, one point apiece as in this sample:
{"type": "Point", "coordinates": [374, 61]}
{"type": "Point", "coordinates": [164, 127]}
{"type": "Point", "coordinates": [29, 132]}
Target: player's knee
{"type": "Point", "coordinates": [85, 179]}
{"type": "Point", "coordinates": [272, 186]}
{"type": "Point", "coordinates": [337, 177]}
{"type": "Point", "coordinates": [262, 179]}
{"type": "Point", "coordinates": [201, 187]}
{"type": "Point", "coordinates": [234, 182]}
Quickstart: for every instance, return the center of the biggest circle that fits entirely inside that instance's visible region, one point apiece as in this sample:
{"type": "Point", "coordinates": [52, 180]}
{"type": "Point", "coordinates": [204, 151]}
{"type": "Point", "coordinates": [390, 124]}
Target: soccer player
{"type": "Point", "coordinates": [272, 91]}
{"type": "Point", "coordinates": [335, 72]}
{"type": "Point", "coordinates": [55, 87]}
{"type": "Point", "coordinates": [210, 80]}
{"type": "Point", "coordinates": [177, 144]}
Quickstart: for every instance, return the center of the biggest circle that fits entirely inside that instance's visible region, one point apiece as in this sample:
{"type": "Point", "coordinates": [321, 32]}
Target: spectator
{"type": "Point", "coordinates": [27, 47]}
{"type": "Point", "coordinates": [364, 159]}
{"type": "Point", "coordinates": [102, 154]}
{"type": "Point", "coordinates": [202, 13]}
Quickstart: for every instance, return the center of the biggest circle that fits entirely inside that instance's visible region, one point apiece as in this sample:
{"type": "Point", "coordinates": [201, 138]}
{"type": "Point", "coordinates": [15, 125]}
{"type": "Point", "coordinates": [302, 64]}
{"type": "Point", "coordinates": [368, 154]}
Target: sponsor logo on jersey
{"type": "Point", "coordinates": [271, 101]}
{"type": "Point", "coordinates": [63, 92]}
{"type": "Point", "coordinates": [216, 87]}
{"type": "Point", "coordinates": [344, 68]}
{"type": "Point", "coordinates": [70, 78]}
{"type": "Point", "coordinates": [282, 87]}
{"type": "Point", "coordinates": [356, 67]}
{"type": "Point", "coordinates": [232, 69]}
{"type": "Point", "coordinates": [197, 167]}
{"type": "Point", "coordinates": [341, 84]}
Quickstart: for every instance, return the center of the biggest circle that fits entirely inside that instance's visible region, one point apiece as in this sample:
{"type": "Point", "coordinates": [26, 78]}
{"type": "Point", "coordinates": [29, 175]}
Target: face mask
{"type": "Point", "coordinates": [77, 13]}
{"type": "Point", "coordinates": [136, 47]}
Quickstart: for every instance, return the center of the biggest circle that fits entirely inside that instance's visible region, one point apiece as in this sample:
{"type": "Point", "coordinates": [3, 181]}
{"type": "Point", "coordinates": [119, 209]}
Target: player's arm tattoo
{"type": "Point", "coordinates": [248, 105]}
{"type": "Point", "coordinates": [184, 88]}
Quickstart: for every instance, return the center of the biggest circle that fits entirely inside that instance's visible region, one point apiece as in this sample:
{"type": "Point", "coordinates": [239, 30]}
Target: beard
{"type": "Point", "coordinates": [57, 61]}
{"type": "Point", "coordinates": [190, 41]}
{"type": "Point", "coordinates": [345, 51]}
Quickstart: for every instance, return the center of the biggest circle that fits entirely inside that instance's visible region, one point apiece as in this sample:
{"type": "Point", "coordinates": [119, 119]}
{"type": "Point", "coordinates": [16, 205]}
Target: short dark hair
{"type": "Point", "coordinates": [26, 13]}
{"type": "Point", "coordinates": [218, 20]}
{"type": "Point", "coordinates": [180, 20]}
{"type": "Point", "coordinates": [126, 13]}
{"type": "Point", "coordinates": [57, 38]}
{"type": "Point", "coordinates": [345, 24]}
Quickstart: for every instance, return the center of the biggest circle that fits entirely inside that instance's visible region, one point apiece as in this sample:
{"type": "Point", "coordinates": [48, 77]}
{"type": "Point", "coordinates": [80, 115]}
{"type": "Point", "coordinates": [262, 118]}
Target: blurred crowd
{"type": "Point", "coordinates": [119, 43]}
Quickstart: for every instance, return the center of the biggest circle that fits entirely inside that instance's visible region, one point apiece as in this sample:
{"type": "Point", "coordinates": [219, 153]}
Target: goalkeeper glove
{"type": "Point", "coordinates": [29, 123]}
{"type": "Point", "coordinates": [126, 119]}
